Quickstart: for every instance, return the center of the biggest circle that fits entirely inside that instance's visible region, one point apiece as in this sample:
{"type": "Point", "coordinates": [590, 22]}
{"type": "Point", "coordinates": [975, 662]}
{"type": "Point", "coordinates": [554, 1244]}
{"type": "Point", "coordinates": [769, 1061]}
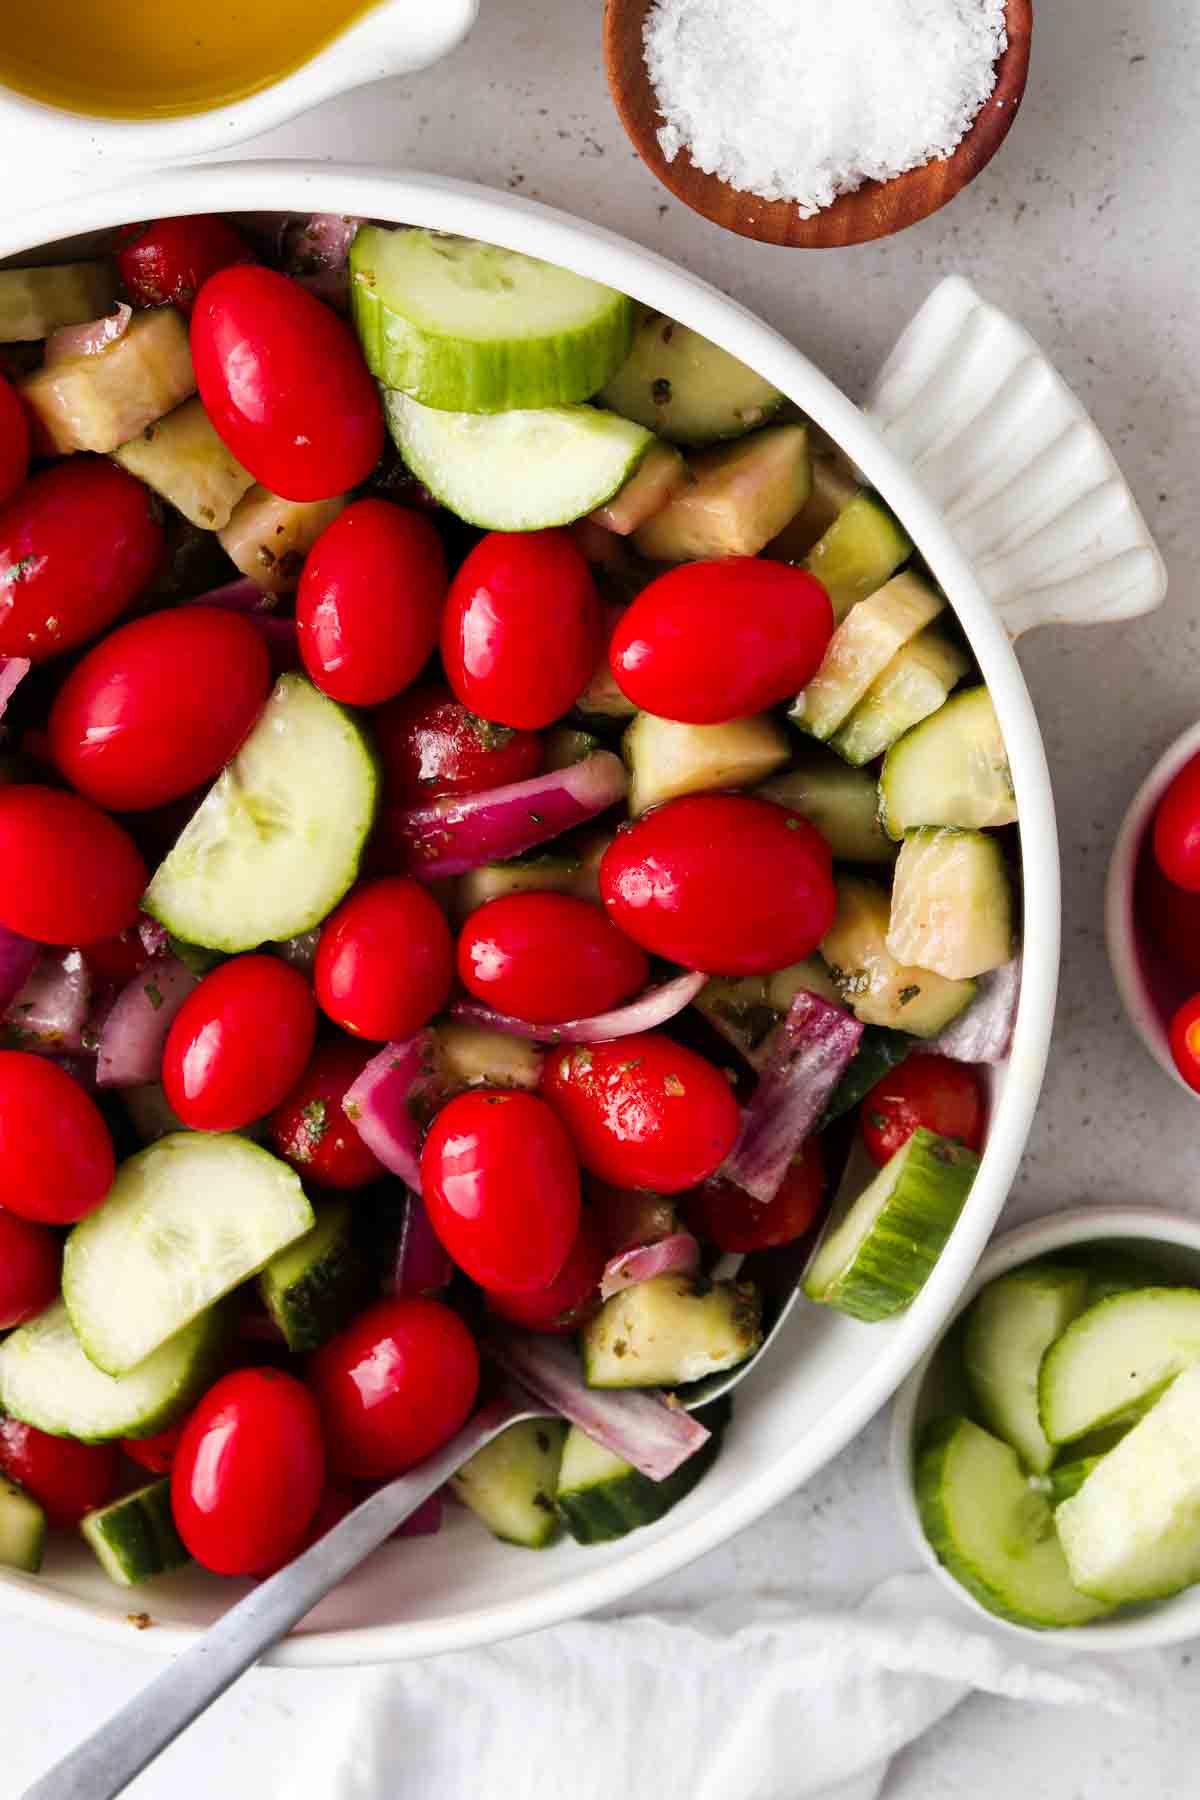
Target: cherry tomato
{"type": "Point", "coordinates": [927, 1090]}
{"type": "Point", "coordinates": [159, 706]}
{"type": "Point", "coordinates": [77, 543]}
{"type": "Point", "coordinates": [548, 958]}
{"type": "Point", "coordinates": [642, 1111]}
{"type": "Point", "coordinates": [332, 1508]}
{"type": "Point", "coordinates": [71, 874]}
{"type": "Point", "coordinates": [430, 745]}
{"type": "Point", "coordinates": [385, 960]}
{"type": "Point", "coordinates": [239, 1043]}
{"type": "Point", "coordinates": [30, 1266]}
{"type": "Point", "coordinates": [1177, 829]}
{"type": "Point", "coordinates": [1185, 1041]}
{"type": "Point", "coordinates": [157, 1453]}
{"type": "Point", "coordinates": [501, 1187]}
{"type": "Point", "coordinates": [712, 641]}
{"type": "Point", "coordinates": [370, 601]}
{"type": "Point", "coordinates": [249, 1472]}
{"type": "Point", "coordinates": [284, 382]}
{"type": "Point", "coordinates": [14, 440]}
{"type": "Point", "coordinates": [310, 1130]}
{"type": "Point", "coordinates": [522, 629]}
{"type": "Point", "coordinates": [571, 1298]}
{"type": "Point", "coordinates": [56, 1157]}
{"type": "Point", "coordinates": [394, 1386]}
{"type": "Point", "coordinates": [734, 1220]}
{"type": "Point", "coordinates": [65, 1477]}
{"type": "Point", "coordinates": [167, 262]}
{"type": "Point", "coordinates": [1172, 919]}
{"type": "Point", "coordinates": [726, 883]}
{"type": "Point", "coordinates": [114, 961]}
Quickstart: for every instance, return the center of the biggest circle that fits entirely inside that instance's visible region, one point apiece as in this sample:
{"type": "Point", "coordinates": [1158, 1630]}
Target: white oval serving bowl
{"type": "Point", "coordinates": [826, 1374]}
{"type": "Point", "coordinates": [1170, 1239]}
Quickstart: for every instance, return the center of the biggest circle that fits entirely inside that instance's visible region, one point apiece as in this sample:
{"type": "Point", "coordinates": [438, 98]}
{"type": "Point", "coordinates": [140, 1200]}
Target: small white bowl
{"type": "Point", "coordinates": [1148, 996]}
{"type": "Point", "coordinates": [1169, 1239]}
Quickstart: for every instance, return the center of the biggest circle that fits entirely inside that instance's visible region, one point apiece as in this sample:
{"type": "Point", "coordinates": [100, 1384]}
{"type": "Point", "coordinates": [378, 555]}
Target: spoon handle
{"type": "Point", "coordinates": [105, 1763]}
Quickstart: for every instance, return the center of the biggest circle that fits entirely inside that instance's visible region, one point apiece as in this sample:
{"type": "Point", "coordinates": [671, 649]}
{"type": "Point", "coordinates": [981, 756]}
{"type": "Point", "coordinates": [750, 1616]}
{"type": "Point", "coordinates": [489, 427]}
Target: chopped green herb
{"type": "Point", "coordinates": [154, 994]}
{"type": "Point", "coordinates": [316, 1121]}
{"type": "Point", "coordinates": [908, 993]}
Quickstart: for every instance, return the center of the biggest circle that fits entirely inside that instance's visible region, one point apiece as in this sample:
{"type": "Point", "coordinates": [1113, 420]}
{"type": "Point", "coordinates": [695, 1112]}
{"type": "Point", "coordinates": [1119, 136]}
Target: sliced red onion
{"type": "Point", "coordinates": [13, 670]}
{"type": "Point", "coordinates": [678, 1254]}
{"type": "Point", "coordinates": [330, 285]}
{"type": "Point", "coordinates": [72, 341]}
{"type": "Point", "coordinates": [426, 1521]}
{"type": "Point", "coordinates": [318, 241]}
{"type": "Point", "coordinates": [808, 1053]}
{"type": "Point", "coordinates": [450, 836]}
{"type": "Point", "coordinates": [236, 596]}
{"type": "Point", "coordinates": [641, 1428]}
{"type": "Point", "coordinates": [379, 1104]}
{"type": "Point", "coordinates": [51, 1009]}
{"type": "Point", "coordinates": [278, 633]}
{"type": "Point", "coordinates": [652, 1007]}
{"type": "Point", "coordinates": [421, 1265]}
{"type": "Point", "coordinates": [983, 1032]}
{"type": "Point", "coordinates": [81, 1069]}
{"type": "Point", "coordinates": [17, 957]}
{"type": "Point", "coordinates": [280, 637]}
{"type": "Point", "coordinates": [153, 935]}
{"type": "Point", "coordinates": [135, 1031]}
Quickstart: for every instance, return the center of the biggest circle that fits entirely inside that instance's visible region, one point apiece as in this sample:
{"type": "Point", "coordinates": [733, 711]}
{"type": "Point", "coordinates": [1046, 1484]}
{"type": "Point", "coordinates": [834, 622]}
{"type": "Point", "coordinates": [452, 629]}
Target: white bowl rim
{"type": "Point", "coordinates": [1169, 1621]}
{"type": "Point", "coordinates": [441, 202]}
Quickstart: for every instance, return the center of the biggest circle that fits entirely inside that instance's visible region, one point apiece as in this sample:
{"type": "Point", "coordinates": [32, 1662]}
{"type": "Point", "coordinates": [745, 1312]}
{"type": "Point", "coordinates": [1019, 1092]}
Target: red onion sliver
{"type": "Point", "coordinates": [678, 1254]}
{"type": "Point", "coordinates": [809, 1052]}
{"type": "Point", "coordinates": [72, 341]}
{"type": "Point", "coordinates": [652, 1007]}
{"type": "Point", "coordinates": [421, 1265]}
{"type": "Point", "coordinates": [330, 285]}
{"type": "Point", "coordinates": [51, 1009]}
{"type": "Point", "coordinates": [17, 957]}
{"type": "Point", "coordinates": [236, 596]}
{"type": "Point", "coordinates": [983, 1032]}
{"type": "Point", "coordinates": [318, 241]}
{"type": "Point", "coordinates": [135, 1031]}
{"type": "Point", "coordinates": [378, 1105]}
{"type": "Point", "coordinates": [152, 934]}
{"type": "Point", "coordinates": [638, 1427]}
{"type": "Point", "coordinates": [13, 670]}
{"type": "Point", "coordinates": [426, 1521]}
{"type": "Point", "coordinates": [278, 633]}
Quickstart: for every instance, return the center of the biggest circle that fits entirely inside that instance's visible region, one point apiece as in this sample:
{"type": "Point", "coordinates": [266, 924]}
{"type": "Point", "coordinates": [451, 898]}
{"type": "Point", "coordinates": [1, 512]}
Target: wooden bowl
{"type": "Point", "coordinates": [875, 210]}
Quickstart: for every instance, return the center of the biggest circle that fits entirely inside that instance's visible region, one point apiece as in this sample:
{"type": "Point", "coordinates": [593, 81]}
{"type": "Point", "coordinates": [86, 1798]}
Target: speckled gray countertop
{"type": "Point", "coordinates": [1087, 227]}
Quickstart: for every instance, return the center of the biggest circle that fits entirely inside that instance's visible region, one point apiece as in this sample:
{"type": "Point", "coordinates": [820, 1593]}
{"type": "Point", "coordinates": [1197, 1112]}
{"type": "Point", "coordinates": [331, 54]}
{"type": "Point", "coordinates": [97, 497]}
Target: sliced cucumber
{"type": "Point", "coordinates": [475, 328]}
{"type": "Point", "coordinates": [861, 550]}
{"type": "Point", "coordinates": [182, 458]}
{"type": "Point", "coordinates": [878, 989]}
{"type": "Point", "coordinates": [834, 485]}
{"type": "Point", "coordinates": [134, 1538]}
{"type": "Point", "coordinates": [474, 1056]}
{"type": "Point", "coordinates": [669, 1331]}
{"type": "Point", "coordinates": [1067, 1478]}
{"type": "Point", "coordinates": [510, 1483]}
{"type": "Point", "coordinates": [861, 649]}
{"type": "Point", "coordinates": [992, 1530]}
{"type": "Point", "coordinates": [1115, 1358]}
{"type": "Point", "coordinates": [276, 841]}
{"type": "Point", "coordinates": [47, 1380]}
{"type": "Point", "coordinates": [687, 389]}
{"type": "Point", "coordinates": [571, 460]}
{"type": "Point", "coordinates": [879, 1051]}
{"type": "Point", "coordinates": [98, 402]}
{"type": "Point", "coordinates": [35, 302]}
{"type": "Point", "coordinates": [746, 1009]}
{"type": "Point", "coordinates": [742, 495]}
{"type": "Point", "coordinates": [268, 537]}
{"type": "Point", "coordinates": [952, 769]}
{"type": "Point", "coordinates": [666, 758]}
{"type": "Point", "coordinates": [915, 683]}
{"type": "Point", "coordinates": [658, 479]}
{"type": "Point", "coordinates": [314, 1286]}
{"type": "Point", "coordinates": [952, 903]}
{"type": "Point", "coordinates": [602, 700]}
{"type": "Point", "coordinates": [879, 1246]}
{"type": "Point", "coordinates": [22, 1529]}
{"type": "Point", "coordinates": [545, 873]}
{"type": "Point", "coordinates": [184, 1222]}
{"type": "Point", "coordinates": [1010, 1326]}
{"type": "Point", "coordinates": [842, 803]}
{"type": "Point", "coordinates": [600, 1497]}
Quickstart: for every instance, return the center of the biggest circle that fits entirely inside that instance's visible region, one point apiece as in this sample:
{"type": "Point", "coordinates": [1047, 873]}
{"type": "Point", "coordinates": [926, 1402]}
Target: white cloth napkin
{"type": "Point", "coordinates": [749, 1699]}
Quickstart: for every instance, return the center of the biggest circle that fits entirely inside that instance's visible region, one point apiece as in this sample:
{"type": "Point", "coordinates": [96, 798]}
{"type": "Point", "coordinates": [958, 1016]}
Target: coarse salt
{"type": "Point", "coordinates": [804, 100]}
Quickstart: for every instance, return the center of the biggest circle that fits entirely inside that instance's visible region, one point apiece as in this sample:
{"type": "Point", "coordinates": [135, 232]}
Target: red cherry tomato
{"type": "Point", "coordinates": [239, 1043]}
{"type": "Point", "coordinates": [733, 1220]}
{"type": "Point", "coordinates": [1177, 829]}
{"type": "Point", "coordinates": [385, 960]}
{"type": "Point", "coordinates": [1171, 918]}
{"type": "Point", "coordinates": [430, 745]}
{"type": "Point", "coordinates": [522, 629]}
{"type": "Point", "coordinates": [1185, 1041]}
{"type": "Point", "coordinates": [642, 1111]}
{"type": "Point", "coordinates": [394, 1386]}
{"type": "Point", "coordinates": [310, 1130]}
{"type": "Point", "coordinates": [71, 874]}
{"type": "Point", "coordinates": [571, 1298]}
{"type": "Point", "coordinates": [56, 1157]}
{"type": "Point", "coordinates": [726, 883]}
{"type": "Point", "coordinates": [14, 440]}
{"type": "Point", "coordinates": [284, 382]}
{"type": "Point", "coordinates": [116, 960]}
{"type": "Point", "coordinates": [548, 958]}
{"type": "Point", "coordinates": [332, 1508]}
{"type": "Point", "coordinates": [501, 1187]}
{"type": "Point", "coordinates": [927, 1090]}
{"type": "Point", "coordinates": [370, 601]}
{"type": "Point", "coordinates": [30, 1266]}
{"type": "Point", "coordinates": [77, 543]}
{"type": "Point", "coordinates": [159, 707]}
{"type": "Point", "coordinates": [157, 1453]}
{"type": "Point", "coordinates": [249, 1472]}
{"type": "Point", "coordinates": [167, 262]}
{"type": "Point", "coordinates": [65, 1477]}
{"type": "Point", "coordinates": [712, 641]}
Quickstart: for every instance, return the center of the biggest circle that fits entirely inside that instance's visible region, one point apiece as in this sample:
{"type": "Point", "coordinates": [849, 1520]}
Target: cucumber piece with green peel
{"type": "Point", "coordinates": [879, 1051]}
{"type": "Point", "coordinates": [667, 758]}
{"type": "Point", "coordinates": [99, 402]}
{"type": "Point", "coordinates": [687, 389]}
{"type": "Point", "coordinates": [47, 1380]}
{"type": "Point", "coordinates": [952, 769]}
{"type": "Point", "coordinates": [601, 1497]}
{"type": "Point", "coordinates": [267, 537]}
{"type": "Point", "coordinates": [317, 1283]}
{"type": "Point", "coordinates": [879, 1246]}
{"type": "Point", "coordinates": [878, 989]}
{"type": "Point", "coordinates": [22, 1529]}
{"type": "Point", "coordinates": [35, 302]}
{"type": "Point", "coordinates": [1115, 1358]}
{"type": "Point", "coordinates": [277, 840]}
{"type": "Point", "coordinates": [745, 1009]}
{"type": "Point", "coordinates": [471, 327]}
{"type": "Point", "coordinates": [834, 485]}
{"type": "Point", "coordinates": [1010, 1326]}
{"type": "Point", "coordinates": [993, 1530]}
{"type": "Point", "coordinates": [913, 685]}
{"type": "Point", "coordinates": [1067, 1478]}
{"type": "Point", "coordinates": [952, 903]}
{"type": "Point", "coordinates": [669, 1331]}
{"type": "Point", "coordinates": [182, 458]}
{"type": "Point", "coordinates": [742, 494]}
{"type": "Point", "coordinates": [861, 648]}
{"type": "Point", "coordinates": [510, 1484]}
{"type": "Point", "coordinates": [659, 478]}
{"type": "Point", "coordinates": [843, 804]}
{"type": "Point", "coordinates": [545, 873]}
{"type": "Point", "coordinates": [184, 1222]}
{"type": "Point", "coordinates": [860, 551]}
{"type": "Point", "coordinates": [134, 1538]}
